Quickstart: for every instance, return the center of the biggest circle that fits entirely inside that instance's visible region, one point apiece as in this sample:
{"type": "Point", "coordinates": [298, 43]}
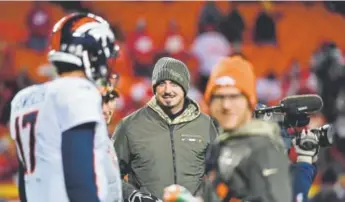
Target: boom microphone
{"type": "Point", "coordinates": [296, 104]}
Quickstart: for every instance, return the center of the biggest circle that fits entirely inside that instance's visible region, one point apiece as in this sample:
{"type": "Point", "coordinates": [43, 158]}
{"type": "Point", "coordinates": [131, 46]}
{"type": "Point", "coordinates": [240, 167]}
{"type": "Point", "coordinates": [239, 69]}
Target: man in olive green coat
{"type": "Point", "coordinates": [165, 141]}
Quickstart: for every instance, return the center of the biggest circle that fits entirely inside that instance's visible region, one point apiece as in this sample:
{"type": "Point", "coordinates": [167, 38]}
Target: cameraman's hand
{"type": "Point", "coordinates": [306, 146]}
{"type": "Point", "coordinates": [325, 134]}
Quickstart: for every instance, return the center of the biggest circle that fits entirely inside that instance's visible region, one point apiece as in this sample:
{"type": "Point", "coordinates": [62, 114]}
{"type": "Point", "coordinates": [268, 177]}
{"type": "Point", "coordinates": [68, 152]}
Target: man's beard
{"type": "Point", "coordinates": [168, 105]}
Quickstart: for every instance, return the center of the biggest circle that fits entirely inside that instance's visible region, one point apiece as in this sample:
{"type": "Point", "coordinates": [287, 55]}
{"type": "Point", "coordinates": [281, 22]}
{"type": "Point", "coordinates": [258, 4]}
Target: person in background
{"type": "Point", "coordinates": [39, 23]}
{"type": "Point", "coordinates": [110, 94]}
{"type": "Point", "coordinates": [141, 48]}
{"type": "Point", "coordinates": [174, 42]}
{"type": "Point", "coordinates": [268, 88]}
{"type": "Point", "coordinates": [209, 16]}
{"type": "Point", "coordinates": [265, 29]}
{"type": "Point", "coordinates": [208, 48]}
{"type": "Point", "coordinates": [232, 26]}
{"type": "Point", "coordinates": [165, 141]}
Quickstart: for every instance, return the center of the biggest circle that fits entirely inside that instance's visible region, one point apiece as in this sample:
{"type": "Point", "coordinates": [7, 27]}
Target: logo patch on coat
{"type": "Point", "coordinates": [191, 138]}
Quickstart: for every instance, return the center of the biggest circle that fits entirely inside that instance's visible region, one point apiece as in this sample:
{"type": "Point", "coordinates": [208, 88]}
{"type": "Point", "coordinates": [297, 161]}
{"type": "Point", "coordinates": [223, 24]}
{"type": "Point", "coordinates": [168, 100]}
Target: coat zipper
{"type": "Point", "coordinates": [171, 129]}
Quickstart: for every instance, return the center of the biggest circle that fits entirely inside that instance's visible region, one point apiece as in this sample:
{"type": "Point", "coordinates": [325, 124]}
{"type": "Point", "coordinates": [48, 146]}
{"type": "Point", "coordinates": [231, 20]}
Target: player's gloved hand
{"type": "Point", "coordinates": [137, 196]}
{"type": "Point", "coordinates": [177, 193]}
{"type": "Point", "coordinates": [306, 146]}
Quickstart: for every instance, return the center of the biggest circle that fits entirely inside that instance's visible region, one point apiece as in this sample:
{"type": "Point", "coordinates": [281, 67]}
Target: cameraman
{"type": "Point", "coordinates": [129, 192]}
{"type": "Point", "coordinates": [306, 142]}
{"type": "Point", "coordinates": [328, 68]}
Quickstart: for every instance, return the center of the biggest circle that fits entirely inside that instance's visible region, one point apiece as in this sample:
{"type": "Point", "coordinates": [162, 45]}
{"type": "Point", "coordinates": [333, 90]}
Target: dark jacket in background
{"type": "Point", "coordinates": [232, 26]}
{"type": "Point", "coordinates": [265, 29]}
{"type": "Point", "coordinates": [156, 151]}
{"type": "Point", "coordinates": [252, 163]}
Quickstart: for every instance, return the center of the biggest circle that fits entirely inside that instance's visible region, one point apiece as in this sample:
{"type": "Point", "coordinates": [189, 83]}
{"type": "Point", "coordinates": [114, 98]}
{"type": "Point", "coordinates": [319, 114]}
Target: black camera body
{"type": "Point", "coordinates": [297, 120]}
{"type": "Point", "coordinates": [294, 112]}
{"type": "Point", "coordinates": [287, 120]}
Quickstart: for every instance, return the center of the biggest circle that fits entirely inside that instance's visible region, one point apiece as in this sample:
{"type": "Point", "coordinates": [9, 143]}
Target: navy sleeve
{"type": "Point", "coordinates": [77, 157]}
{"type": "Point", "coordinates": [303, 175]}
{"type": "Point", "coordinates": [21, 183]}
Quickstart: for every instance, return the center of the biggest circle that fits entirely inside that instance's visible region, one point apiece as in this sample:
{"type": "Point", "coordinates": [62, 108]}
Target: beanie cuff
{"type": "Point", "coordinates": [155, 84]}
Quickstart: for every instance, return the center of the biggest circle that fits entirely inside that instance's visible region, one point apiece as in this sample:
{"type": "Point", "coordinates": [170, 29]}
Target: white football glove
{"type": "Point", "coordinates": [306, 146]}
{"type": "Point", "coordinates": [138, 196]}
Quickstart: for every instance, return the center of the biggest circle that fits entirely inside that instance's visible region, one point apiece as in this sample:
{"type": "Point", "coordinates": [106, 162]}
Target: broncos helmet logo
{"type": "Point", "coordinates": [84, 41]}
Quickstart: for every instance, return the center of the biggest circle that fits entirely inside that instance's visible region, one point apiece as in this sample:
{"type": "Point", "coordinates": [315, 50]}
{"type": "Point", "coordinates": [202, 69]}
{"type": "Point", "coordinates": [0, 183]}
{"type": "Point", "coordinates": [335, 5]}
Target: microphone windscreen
{"type": "Point", "coordinates": [302, 103]}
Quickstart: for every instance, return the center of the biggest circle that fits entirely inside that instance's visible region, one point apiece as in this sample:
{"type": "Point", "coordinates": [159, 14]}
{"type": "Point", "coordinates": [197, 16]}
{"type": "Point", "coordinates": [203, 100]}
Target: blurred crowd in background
{"type": "Point", "coordinates": [289, 44]}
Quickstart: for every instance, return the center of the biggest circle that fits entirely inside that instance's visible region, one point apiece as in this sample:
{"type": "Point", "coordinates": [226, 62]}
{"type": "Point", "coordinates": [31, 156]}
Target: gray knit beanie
{"type": "Point", "coordinates": [168, 68]}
